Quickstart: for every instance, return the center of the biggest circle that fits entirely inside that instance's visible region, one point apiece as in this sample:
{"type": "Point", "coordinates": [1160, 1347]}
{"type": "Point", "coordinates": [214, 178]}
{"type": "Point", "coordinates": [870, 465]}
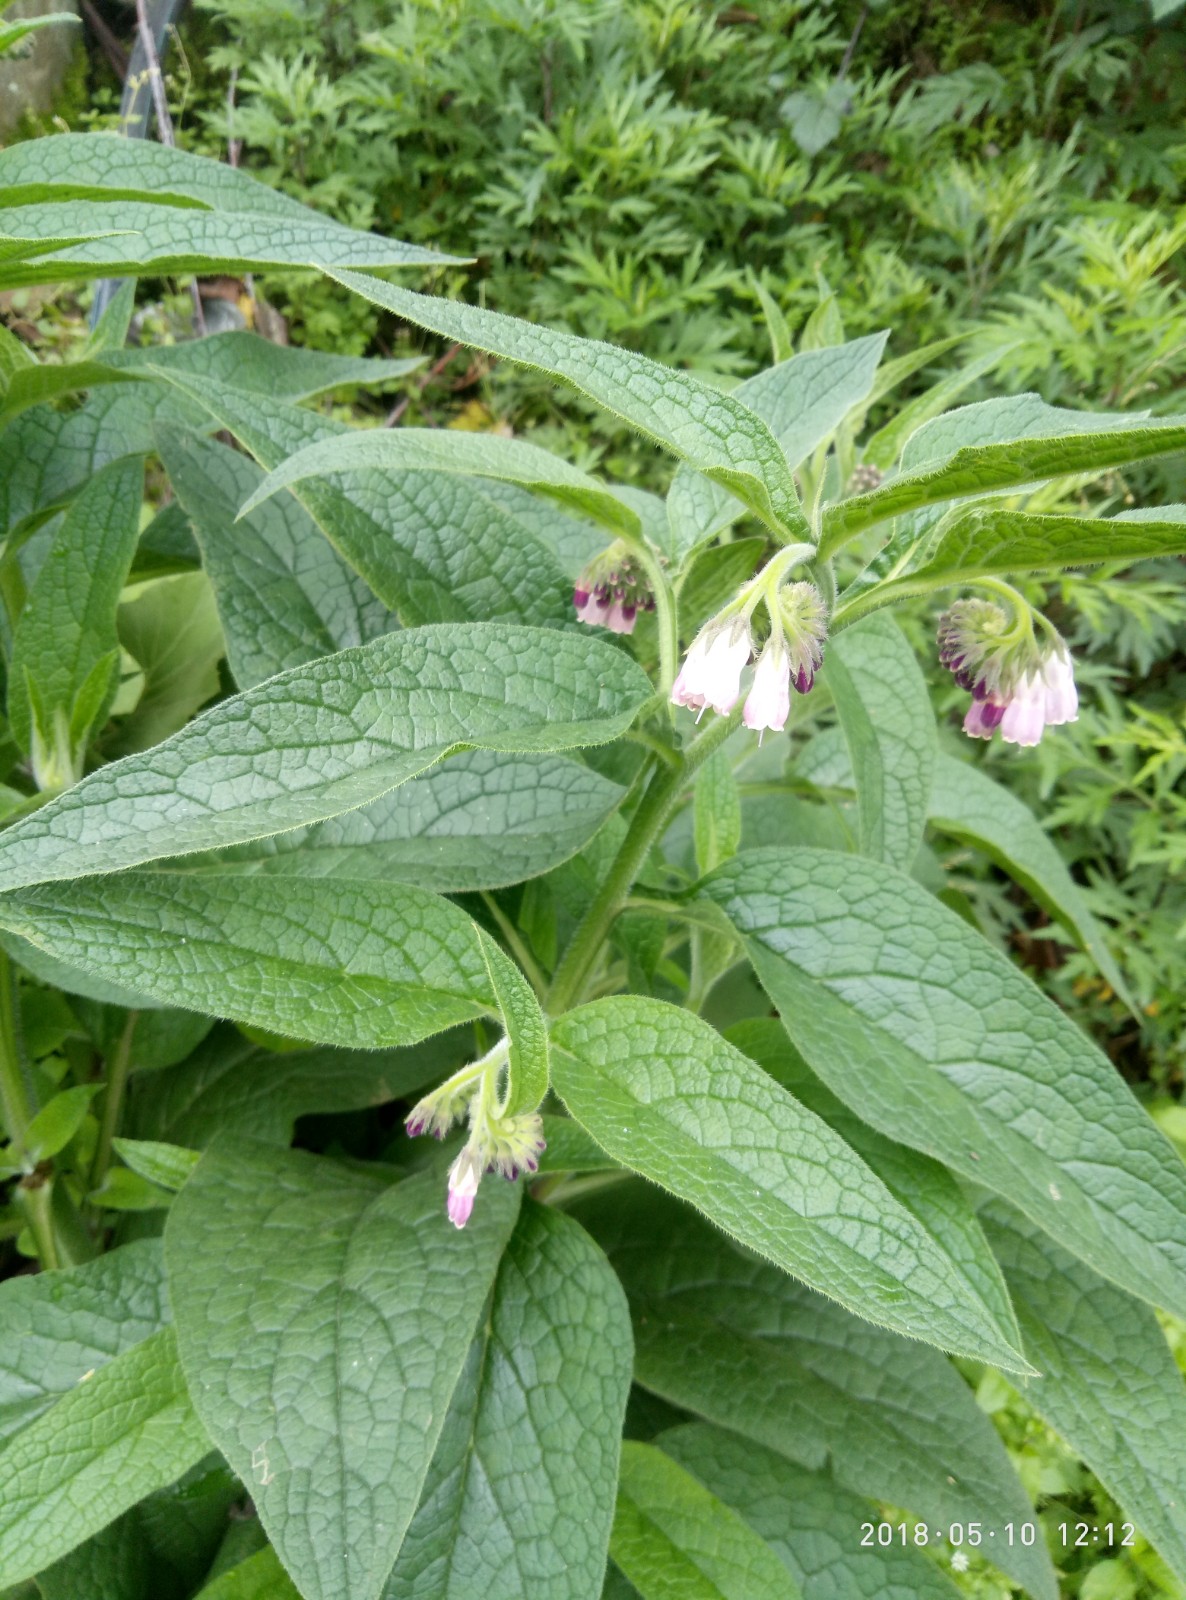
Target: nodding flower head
{"type": "Point", "coordinates": [509, 1146]}
{"type": "Point", "coordinates": [612, 590]}
{"type": "Point", "coordinates": [1017, 685]}
{"type": "Point", "coordinates": [711, 674]}
{"type": "Point", "coordinates": [804, 619]}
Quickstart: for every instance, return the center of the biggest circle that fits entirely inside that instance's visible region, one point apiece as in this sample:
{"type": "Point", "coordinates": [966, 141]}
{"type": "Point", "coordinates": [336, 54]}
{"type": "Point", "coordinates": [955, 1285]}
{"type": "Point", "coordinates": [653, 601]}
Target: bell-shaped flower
{"type": "Point", "coordinates": [612, 590]}
{"type": "Point", "coordinates": [464, 1177]}
{"type": "Point", "coordinates": [768, 703]}
{"type": "Point", "coordinates": [711, 674]}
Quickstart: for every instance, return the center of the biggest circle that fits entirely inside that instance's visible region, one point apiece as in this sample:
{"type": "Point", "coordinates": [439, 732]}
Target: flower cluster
{"type": "Point", "coordinates": [508, 1145]}
{"type": "Point", "coordinates": [1016, 684]}
{"type": "Point", "coordinates": [612, 590]}
{"type": "Point", "coordinates": [791, 656]}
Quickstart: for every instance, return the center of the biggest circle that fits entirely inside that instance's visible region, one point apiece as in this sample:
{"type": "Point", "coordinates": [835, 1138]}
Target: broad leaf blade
{"type": "Point", "coordinates": [324, 1367]}
{"type": "Point", "coordinates": [667, 1096]}
{"type": "Point", "coordinates": [804, 400]}
{"type": "Point", "coordinates": [808, 1520]}
{"type": "Point", "coordinates": [58, 1326]}
{"type": "Point", "coordinates": [480, 455]}
{"type": "Point", "coordinates": [889, 726]}
{"type": "Point", "coordinates": [128, 1430]}
{"type": "Point", "coordinates": [327, 737]}
{"type": "Point", "coordinates": [968, 805]}
{"type": "Point", "coordinates": [1109, 1383]}
{"type": "Point", "coordinates": [284, 594]}
{"type": "Point", "coordinates": [280, 371]}
{"type": "Point", "coordinates": [676, 1541]}
{"type": "Point", "coordinates": [520, 1494]}
{"type": "Point", "coordinates": [925, 1187]}
{"type": "Point", "coordinates": [67, 628]}
{"type": "Point", "coordinates": [434, 547]}
{"type": "Point", "coordinates": [368, 966]}
{"type": "Point", "coordinates": [480, 820]}
{"type": "Point", "coordinates": [716, 433]}
{"type": "Point", "coordinates": [937, 1040]}
{"type": "Point", "coordinates": [1048, 443]}
{"type": "Point", "coordinates": [733, 1339]}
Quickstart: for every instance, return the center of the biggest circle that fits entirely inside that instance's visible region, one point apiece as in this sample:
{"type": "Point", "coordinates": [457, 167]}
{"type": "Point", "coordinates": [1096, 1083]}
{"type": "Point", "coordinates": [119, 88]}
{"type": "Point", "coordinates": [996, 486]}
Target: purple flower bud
{"type": "Point", "coordinates": [580, 597]}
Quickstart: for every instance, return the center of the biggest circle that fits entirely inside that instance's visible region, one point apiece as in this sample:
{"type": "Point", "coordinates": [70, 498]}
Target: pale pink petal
{"type": "Point", "coordinates": [1025, 715]}
{"type": "Point", "coordinates": [768, 703]}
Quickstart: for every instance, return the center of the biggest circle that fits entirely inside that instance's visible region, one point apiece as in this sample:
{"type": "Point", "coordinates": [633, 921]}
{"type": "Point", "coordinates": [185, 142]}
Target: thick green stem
{"type": "Point", "coordinates": [14, 1099]}
{"type": "Point", "coordinates": [35, 1197]}
{"type": "Point", "coordinates": [118, 1066]}
{"type": "Point", "coordinates": [647, 824]}
{"type": "Point", "coordinates": [665, 618]}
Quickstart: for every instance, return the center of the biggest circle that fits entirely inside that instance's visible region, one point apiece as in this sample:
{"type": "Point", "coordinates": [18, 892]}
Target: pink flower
{"type": "Point", "coordinates": [1025, 714]}
{"type": "Point", "coordinates": [464, 1177]}
{"type": "Point", "coordinates": [711, 674]}
{"type": "Point", "coordinates": [768, 703]}
{"type": "Point", "coordinates": [983, 718]}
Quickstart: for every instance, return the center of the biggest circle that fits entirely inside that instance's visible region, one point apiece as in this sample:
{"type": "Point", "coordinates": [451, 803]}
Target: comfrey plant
{"type": "Point", "coordinates": [733, 1107]}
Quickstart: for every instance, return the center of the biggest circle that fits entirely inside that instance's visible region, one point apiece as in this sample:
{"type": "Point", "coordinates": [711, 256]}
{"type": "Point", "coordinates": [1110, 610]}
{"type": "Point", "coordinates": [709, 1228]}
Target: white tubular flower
{"type": "Point", "coordinates": [711, 675]}
{"type": "Point", "coordinates": [1062, 698]}
{"type": "Point", "coordinates": [464, 1177]}
{"type": "Point", "coordinates": [768, 704]}
{"type": "Point", "coordinates": [1025, 712]}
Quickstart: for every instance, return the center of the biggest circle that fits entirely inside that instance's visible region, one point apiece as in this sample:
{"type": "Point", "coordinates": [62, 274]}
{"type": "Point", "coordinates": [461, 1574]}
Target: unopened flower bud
{"type": "Point", "coordinates": [612, 590]}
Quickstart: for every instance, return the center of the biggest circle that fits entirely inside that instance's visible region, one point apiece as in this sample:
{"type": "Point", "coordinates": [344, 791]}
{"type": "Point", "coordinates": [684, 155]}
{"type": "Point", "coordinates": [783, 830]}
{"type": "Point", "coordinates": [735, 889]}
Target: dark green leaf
{"type": "Point", "coordinates": [323, 1366]}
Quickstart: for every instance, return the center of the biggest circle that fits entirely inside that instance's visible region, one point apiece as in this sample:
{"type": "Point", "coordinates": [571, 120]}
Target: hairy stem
{"type": "Point", "coordinates": [647, 824]}
{"type": "Point", "coordinates": [118, 1066]}
{"type": "Point", "coordinates": [14, 1098]}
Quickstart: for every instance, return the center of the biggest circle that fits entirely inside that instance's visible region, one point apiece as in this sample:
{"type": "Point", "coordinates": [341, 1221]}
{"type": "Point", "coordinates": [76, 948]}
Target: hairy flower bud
{"type": "Point", "coordinates": [612, 590]}
{"type": "Point", "coordinates": [1016, 684]}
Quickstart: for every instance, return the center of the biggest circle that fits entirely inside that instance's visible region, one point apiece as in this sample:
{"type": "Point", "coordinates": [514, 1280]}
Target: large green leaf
{"type": "Point", "coordinates": [364, 966]}
{"type": "Point", "coordinates": [520, 1494]}
{"type": "Point", "coordinates": [65, 652]}
{"type": "Point", "coordinates": [808, 1520]}
{"type": "Point", "coordinates": [284, 594]}
{"type": "Point", "coordinates": [714, 432]}
{"type": "Point", "coordinates": [968, 805]}
{"type": "Point", "coordinates": [664, 1094]}
{"type": "Point", "coordinates": [803, 400]}
{"type": "Point", "coordinates": [433, 546]}
{"type": "Point", "coordinates": [925, 1187]}
{"type": "Point", "coordinates": [991, 539]}
{"type": "Point", "coordinates": [480, 820]}
{"type": "Point", "coordinates": [246, 361]}
{"type": "Point", "coordinates": [935, 1038]}
{"type": "Point", "coordinates": [58, 1326]}
{"type": "Point", "coordinates": [480, 455]}
{"type": "Point", "coordinates": [324, 738]}
{"type": "Point", "coordinates": [733, 1339]}
{"type": "Point", "coordinates": [1001, 444]}
{"type": "Point", "coordinates": [889, 726]}
{"type": "Point", "coordinates": [128, 1430]}
{"type": "Point", "coordinates": [1109, 1383]}
{"type": "Point", "coordinates": [229, 1085]}
{"type": "Point", "coordinates": [170, 627]}
{"type": "Point", "coordinates": [260, 1577]}
{"type": "Point", "coordinates": [324, 1364]}
{"type": "Point", "coordinates": [158, 1550]}
{"type": "Point", "coordinates": [676, 1541]}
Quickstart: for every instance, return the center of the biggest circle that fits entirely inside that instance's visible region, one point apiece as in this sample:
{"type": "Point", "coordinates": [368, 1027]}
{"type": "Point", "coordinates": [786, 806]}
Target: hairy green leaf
{"type": "Point", "coordinates": [811, 1523]}
{"type": "Point", "coordinates": [1109, 1383]}
{"type": "Point", "coordinates": [323, 1367]}
{"type": "Point", "coordinates": [284, 594]}
{"type": "Point", "coordinates": [480, 820]}
{"type": "Point", "coordinates": [676, 1541]}
{"type": "Point", "coordinates": [968, 805]}
{"type": "Point", "coordinates": [889, 726]}
{"type": "Point", "coordinates": [666, 1095]}
{"type": "Point", "coordinates": [125, 1431]}
{"type": "Point", "coordinates": [733, 1339]}
{"type": "Point", "coordinates": [715, 432]}
{"type": "Point", "coordinates": [58, 1326]}
{"type": "Point", "coordinates": [520, 1494]}
{"type": "Point", "coordinates": [324, 738]}
{"type": "Point", "coordinates": [934, 1037]}
{"type": "Point", "coordinates": [66, 631]}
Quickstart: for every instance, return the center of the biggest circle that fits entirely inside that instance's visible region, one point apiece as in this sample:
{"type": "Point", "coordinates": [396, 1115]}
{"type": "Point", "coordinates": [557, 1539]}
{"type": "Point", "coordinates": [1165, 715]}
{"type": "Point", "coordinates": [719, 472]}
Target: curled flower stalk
{"type": "Point", "coordinates": [1019, 684]}
{"type": "Point", "coordinates": [612, 590]}
{"type": "Point", "coordinates": [790, 657]}
{"type": "Point", "coordinates": [507, 1145]}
